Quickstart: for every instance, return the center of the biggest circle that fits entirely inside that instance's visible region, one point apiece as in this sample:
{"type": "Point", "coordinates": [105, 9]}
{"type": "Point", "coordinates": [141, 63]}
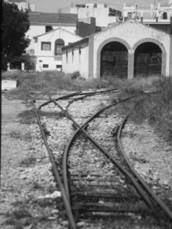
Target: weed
{"type": "Point", "coordinates": [15, 134]}
{"type": "Point", "coordinates": [155, 108]}
{"type": "Point", "coordinates": [43, 83]}
{"type": "Point", "coordinates": [28, 161]}
{"type": "Point", "coordinates": [37, 186]}
{"type": "Point", "coordinates": [28, 117]}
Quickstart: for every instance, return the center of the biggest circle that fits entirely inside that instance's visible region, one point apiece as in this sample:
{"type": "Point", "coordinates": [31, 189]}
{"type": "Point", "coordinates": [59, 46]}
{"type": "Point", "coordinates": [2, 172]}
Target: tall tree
{"type": "Point", "coordinates": [15, 23]}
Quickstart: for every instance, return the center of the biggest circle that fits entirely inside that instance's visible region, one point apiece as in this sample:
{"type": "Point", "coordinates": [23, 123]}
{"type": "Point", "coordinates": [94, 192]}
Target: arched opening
{"type": "Point", "coordinates": [114, 60]}
{"type": "Point", "coordinates": [147, 60]}
{"type": "Point", "coordinates": [59, 44]}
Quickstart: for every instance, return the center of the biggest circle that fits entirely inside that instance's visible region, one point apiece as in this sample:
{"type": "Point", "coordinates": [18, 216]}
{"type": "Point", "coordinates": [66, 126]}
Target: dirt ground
{"type": "Point", "coordinates": [27, 186]}
{"type": "Point", "coordinates": [22, 182]}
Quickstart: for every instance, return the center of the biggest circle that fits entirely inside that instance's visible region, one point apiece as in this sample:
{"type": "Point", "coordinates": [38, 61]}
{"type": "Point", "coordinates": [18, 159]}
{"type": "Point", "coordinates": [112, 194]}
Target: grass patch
{"type": "Point", "coordinates": [20, 216]}
{"type": "Point", "coordinates": [15, 134]}
{"type": "Point", "coordinates": [40, 84]}
{"type": "Point", "coordinates": [28, 161]}
{"type": "Point", "coordinates": [36, 186]}
{"type": "Point", "coordinates": [28, 116]}
{"type": "Point", "coordinates": [18, 135]}
{"type": "Point", "coordinates": [155, 108]}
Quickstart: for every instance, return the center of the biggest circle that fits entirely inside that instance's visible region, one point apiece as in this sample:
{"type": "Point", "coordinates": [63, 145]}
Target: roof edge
{"type": "Point", "coordinates": [53, 30]}
{"type": "Point", "coordinates": [75, 44]}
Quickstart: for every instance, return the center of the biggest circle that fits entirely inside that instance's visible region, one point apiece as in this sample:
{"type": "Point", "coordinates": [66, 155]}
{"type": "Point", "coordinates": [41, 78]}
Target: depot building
{"type": "Point", "coordinates": [123, 50]}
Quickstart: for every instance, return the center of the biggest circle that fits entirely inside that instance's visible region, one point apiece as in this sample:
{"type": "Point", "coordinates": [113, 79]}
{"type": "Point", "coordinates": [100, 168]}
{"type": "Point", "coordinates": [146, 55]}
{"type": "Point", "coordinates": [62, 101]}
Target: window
{"type": "Point", "coordinates": [79, 50]}
{"type": "Point", "coordinates": [45, 65]}
{"type": "Point", "coordinates": [59, 44]}
{"type": "Point", "coordinates": [48, 28]}
{"type": "Point", "coordinates": [72, 55]}
{"type": "Point", "coordinates": [46, 46]}
{"type": "Point", "coordinates": [66, 56]}
{"type": "Point", "coordinates": [59, 67]}
{"type": "Point", "coordinates": [31, 51]}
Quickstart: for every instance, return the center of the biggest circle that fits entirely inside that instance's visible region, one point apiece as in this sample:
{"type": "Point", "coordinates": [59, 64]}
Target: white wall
{"type": "Point", "coordinates": [132, 33]}
{"type": "Point", "coordinates": [100, 13]}
{"type": "Point", "coordinates": [47, 56]}
{"type": "Point", "coordinates": [77, 62]}
{"type": "Point", "coordinates": [25, 5]}
{"type": "Point", "coordinates": [49, 60]}
{"type": "Point", "coordinates": [36, 30]}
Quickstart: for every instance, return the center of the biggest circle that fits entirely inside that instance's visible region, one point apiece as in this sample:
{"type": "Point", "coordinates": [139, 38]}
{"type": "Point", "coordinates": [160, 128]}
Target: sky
{"type": "Point", "coordinates": [55, 5]}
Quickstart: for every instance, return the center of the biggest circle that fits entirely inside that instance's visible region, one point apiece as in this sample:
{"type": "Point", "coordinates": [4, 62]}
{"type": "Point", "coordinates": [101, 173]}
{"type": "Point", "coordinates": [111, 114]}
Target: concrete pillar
{"type": "Point", "coordinates": [130, 64]}
{"type": "Point", "coordinates": [22, 66]}
{"type": "Point", "coordinates": [91, 56]}
{"type": "Point", "coordinates": [170, 70]}
{"type": "Point", "coordinates": [171, 26]}
{"type": "Point", "coordinates": [141, 20]}
{"type": "Point", "coordinates": [8, 66]}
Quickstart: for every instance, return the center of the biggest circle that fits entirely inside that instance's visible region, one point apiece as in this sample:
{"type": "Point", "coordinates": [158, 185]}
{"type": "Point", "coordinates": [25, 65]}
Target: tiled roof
{"type": "Point", "coordinates": [61, 29]}
{"type": "Point", "coordinates": [16, 1]}
{"type": "Point", "coordinates": [41, 18]}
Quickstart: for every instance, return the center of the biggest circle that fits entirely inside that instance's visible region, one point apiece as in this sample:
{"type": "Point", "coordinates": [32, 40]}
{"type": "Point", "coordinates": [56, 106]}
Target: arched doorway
{"type": "Point", "coordinates": [59, 43]}
{"type": "Point", "coordinates": [147, 60]}
{"type": "Point", "coordinates": [114, 60]}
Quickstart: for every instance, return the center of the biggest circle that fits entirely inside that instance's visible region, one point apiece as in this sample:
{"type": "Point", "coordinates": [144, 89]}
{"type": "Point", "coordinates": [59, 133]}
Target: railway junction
{"type": "Point", "coordinates": [94, 161]}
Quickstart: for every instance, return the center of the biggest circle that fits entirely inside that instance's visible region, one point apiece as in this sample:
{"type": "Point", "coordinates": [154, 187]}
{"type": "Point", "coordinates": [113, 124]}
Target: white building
{"type": "Point", "coordinates": [103, 14]}
{"type": "Point", "coordinates": [41, 23]}
{"type": "Point", "coordinates": [48, 48]}
{"type": "Point", "coordinates": [23, 4]}
{"type": "Point", "coordinates": [48, 27]}
{"type": "Point", "coordinates": [156, 11]}
{"type": "Point", "coordinates": [126, 50]}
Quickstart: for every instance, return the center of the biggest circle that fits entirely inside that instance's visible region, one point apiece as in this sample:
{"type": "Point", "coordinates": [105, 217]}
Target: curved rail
{"type": "Point", "coordinates": [90, 93]}
{"type": "Point", "coordinates": [108, 155]}
{"type": "Point", "coordinates": [65, 189]}
{"type": "Point", "coordinates": [55, 171]}
{"type": "Point", "coordinates": [77, 132]}
{"type": "Point", "coordinates": [121, 150]}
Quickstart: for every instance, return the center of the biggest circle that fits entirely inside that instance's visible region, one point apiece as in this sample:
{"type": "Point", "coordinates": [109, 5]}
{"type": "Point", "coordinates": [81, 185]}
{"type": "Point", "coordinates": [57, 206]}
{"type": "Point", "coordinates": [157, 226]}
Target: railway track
{"type": "Point", "coordinates": [110, 187]}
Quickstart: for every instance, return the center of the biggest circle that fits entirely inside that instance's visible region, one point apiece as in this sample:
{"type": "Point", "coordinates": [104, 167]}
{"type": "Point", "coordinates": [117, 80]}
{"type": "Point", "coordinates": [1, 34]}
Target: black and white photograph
{"type": "Point", "coordinates": [86, 114]}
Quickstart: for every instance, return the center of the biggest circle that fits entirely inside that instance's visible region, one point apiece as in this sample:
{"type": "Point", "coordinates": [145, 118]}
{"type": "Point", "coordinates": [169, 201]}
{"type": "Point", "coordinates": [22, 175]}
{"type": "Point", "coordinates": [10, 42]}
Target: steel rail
{"type": "Point", "coordinates": [121, 150]}
{"type": "Point", "coordinates": [90, 93]}
{"type": "Point", "coordinates": [123, 171]}
{"type": "Point", "coordinates": [77, 132]}
{"type": "Point", "coordinates": [55, 171]}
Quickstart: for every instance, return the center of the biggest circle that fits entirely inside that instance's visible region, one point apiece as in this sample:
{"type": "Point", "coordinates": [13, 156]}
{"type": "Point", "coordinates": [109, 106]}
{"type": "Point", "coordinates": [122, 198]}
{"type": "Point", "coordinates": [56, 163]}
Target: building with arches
{"type": "Point", "coordinates": [123, 50]}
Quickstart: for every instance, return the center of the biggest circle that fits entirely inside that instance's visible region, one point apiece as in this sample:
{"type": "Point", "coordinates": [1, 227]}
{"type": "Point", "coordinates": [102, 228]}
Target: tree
{"type": "Point", "coordinates": [15, 23]}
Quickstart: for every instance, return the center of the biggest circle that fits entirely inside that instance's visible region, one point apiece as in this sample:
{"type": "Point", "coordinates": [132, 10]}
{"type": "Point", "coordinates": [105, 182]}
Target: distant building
{"type": "Point", "coordinates": [48, 48]}
{"type": "Point", "coordinates": [48, 33]}
{"type": "Point", "coordinates": [156, 11]}
{"type": "Point", "coordinates": [23, 4]}
{"type": "Point", "coordinates": [124, 50]}
{"type": "Point", "coordinates": [87, 27]}
{"type": "Point", "coordinates": [103, 14]}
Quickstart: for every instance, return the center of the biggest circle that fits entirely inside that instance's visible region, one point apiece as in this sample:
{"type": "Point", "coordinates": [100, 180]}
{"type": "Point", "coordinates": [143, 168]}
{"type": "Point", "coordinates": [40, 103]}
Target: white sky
{"type": "Point", "coordinates": [54, 5]}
